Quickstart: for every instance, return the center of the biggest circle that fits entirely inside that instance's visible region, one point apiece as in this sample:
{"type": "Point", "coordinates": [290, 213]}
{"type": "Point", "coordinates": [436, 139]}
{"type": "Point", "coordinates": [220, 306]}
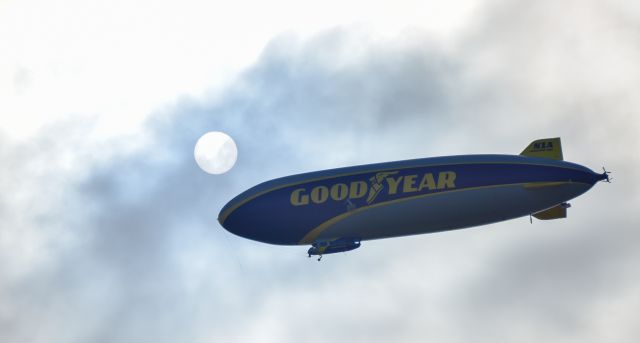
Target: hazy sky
{"type": "Point", "coordinates": [108, 228]}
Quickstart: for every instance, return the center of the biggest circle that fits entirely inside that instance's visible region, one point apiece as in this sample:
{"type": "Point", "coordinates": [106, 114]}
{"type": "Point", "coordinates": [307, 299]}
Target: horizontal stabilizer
{"type": "Point", "coordinates": [545, 148]}
{"type": "Point", "coordinates": [557, 212]}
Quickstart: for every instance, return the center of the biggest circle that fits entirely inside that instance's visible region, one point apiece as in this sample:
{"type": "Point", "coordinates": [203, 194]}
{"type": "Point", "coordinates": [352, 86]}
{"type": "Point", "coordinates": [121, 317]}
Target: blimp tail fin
{"type": "Point", "coordinates": [545, 148]}
{"type": "Point", "coordinates": [557, 212]}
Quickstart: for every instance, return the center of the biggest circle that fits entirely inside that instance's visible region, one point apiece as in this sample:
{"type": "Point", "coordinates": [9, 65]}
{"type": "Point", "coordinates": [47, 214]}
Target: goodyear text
{"type": "Point", "coordinates": [384, 182]}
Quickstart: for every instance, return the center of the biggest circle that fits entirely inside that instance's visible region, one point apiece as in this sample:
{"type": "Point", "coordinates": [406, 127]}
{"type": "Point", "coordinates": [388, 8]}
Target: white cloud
{"type": "Point", "coordinates": [118, 61]}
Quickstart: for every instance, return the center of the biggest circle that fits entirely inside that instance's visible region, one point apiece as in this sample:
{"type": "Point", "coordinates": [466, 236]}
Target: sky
{"type": "Point", "coordinates": [108, 229]}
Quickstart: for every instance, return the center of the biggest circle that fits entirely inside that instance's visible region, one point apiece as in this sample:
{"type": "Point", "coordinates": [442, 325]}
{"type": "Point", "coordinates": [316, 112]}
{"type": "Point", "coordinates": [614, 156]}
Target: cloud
{"type": "Point", "coordinates": [107, 243]}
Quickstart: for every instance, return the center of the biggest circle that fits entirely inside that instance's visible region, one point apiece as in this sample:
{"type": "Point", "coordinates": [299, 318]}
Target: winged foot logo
{"type": "Point", "coordinates": [381, 182]}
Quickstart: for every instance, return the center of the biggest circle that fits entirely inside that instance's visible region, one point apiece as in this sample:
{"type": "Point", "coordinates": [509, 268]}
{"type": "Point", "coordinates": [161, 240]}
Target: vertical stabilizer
{"type": "Point", "coordinates": [545, 148]}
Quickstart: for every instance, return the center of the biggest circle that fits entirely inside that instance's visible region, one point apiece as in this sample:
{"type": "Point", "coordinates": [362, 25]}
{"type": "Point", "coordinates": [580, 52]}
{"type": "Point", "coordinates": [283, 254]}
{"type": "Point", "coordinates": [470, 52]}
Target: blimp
{"type": "Point", "coordinates": [335, 210]}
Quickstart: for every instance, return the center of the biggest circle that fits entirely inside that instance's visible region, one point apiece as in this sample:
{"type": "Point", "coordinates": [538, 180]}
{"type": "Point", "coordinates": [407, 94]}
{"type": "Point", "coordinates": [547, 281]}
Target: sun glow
{"type": "Point", "coordinates": [215, 152]}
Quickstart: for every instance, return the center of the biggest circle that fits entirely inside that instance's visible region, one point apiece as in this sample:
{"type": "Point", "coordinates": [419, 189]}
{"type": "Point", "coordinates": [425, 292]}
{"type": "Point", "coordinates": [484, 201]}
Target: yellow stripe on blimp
{"type": "Point", "coordinates": [311, 236]}
{"type": "Point", "coordinates": [533, 185]}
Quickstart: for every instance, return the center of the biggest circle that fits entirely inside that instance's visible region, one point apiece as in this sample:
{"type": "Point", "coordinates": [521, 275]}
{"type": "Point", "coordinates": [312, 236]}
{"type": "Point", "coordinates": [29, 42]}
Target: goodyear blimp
{"type": "Point", "coordinates": [335, 210]}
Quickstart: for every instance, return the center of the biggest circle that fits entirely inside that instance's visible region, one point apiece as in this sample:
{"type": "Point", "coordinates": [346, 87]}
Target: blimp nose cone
{"type": "Point", "coordinates": [255, 215]}
{"type": "Point", "coordinates": [239, 220]}
{"type": "Point", "coordinates": [221, 222]}
{"type": "Point", "coordinates": [222, 219]}
{"type": "Point", "coordinates": [234, 228]}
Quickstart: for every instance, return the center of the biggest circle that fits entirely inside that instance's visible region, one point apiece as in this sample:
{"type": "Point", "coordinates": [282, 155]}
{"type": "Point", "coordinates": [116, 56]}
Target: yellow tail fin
{"type": "Point", "coordinates": [545, 148]}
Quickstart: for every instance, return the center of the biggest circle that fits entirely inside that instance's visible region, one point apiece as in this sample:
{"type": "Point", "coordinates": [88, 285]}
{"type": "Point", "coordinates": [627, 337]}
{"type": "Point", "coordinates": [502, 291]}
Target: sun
{"type": "Point", "coordinates": [215, 152]}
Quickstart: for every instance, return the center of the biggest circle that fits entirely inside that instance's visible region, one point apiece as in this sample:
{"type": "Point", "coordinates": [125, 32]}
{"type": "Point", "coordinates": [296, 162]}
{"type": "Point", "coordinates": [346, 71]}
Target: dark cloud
{"type": "Point", "coordinates": [127, 248]}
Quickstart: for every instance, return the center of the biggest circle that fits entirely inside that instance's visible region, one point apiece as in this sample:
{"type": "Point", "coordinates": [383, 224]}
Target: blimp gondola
{"type": "Point", "coordinates": [335, 210]}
